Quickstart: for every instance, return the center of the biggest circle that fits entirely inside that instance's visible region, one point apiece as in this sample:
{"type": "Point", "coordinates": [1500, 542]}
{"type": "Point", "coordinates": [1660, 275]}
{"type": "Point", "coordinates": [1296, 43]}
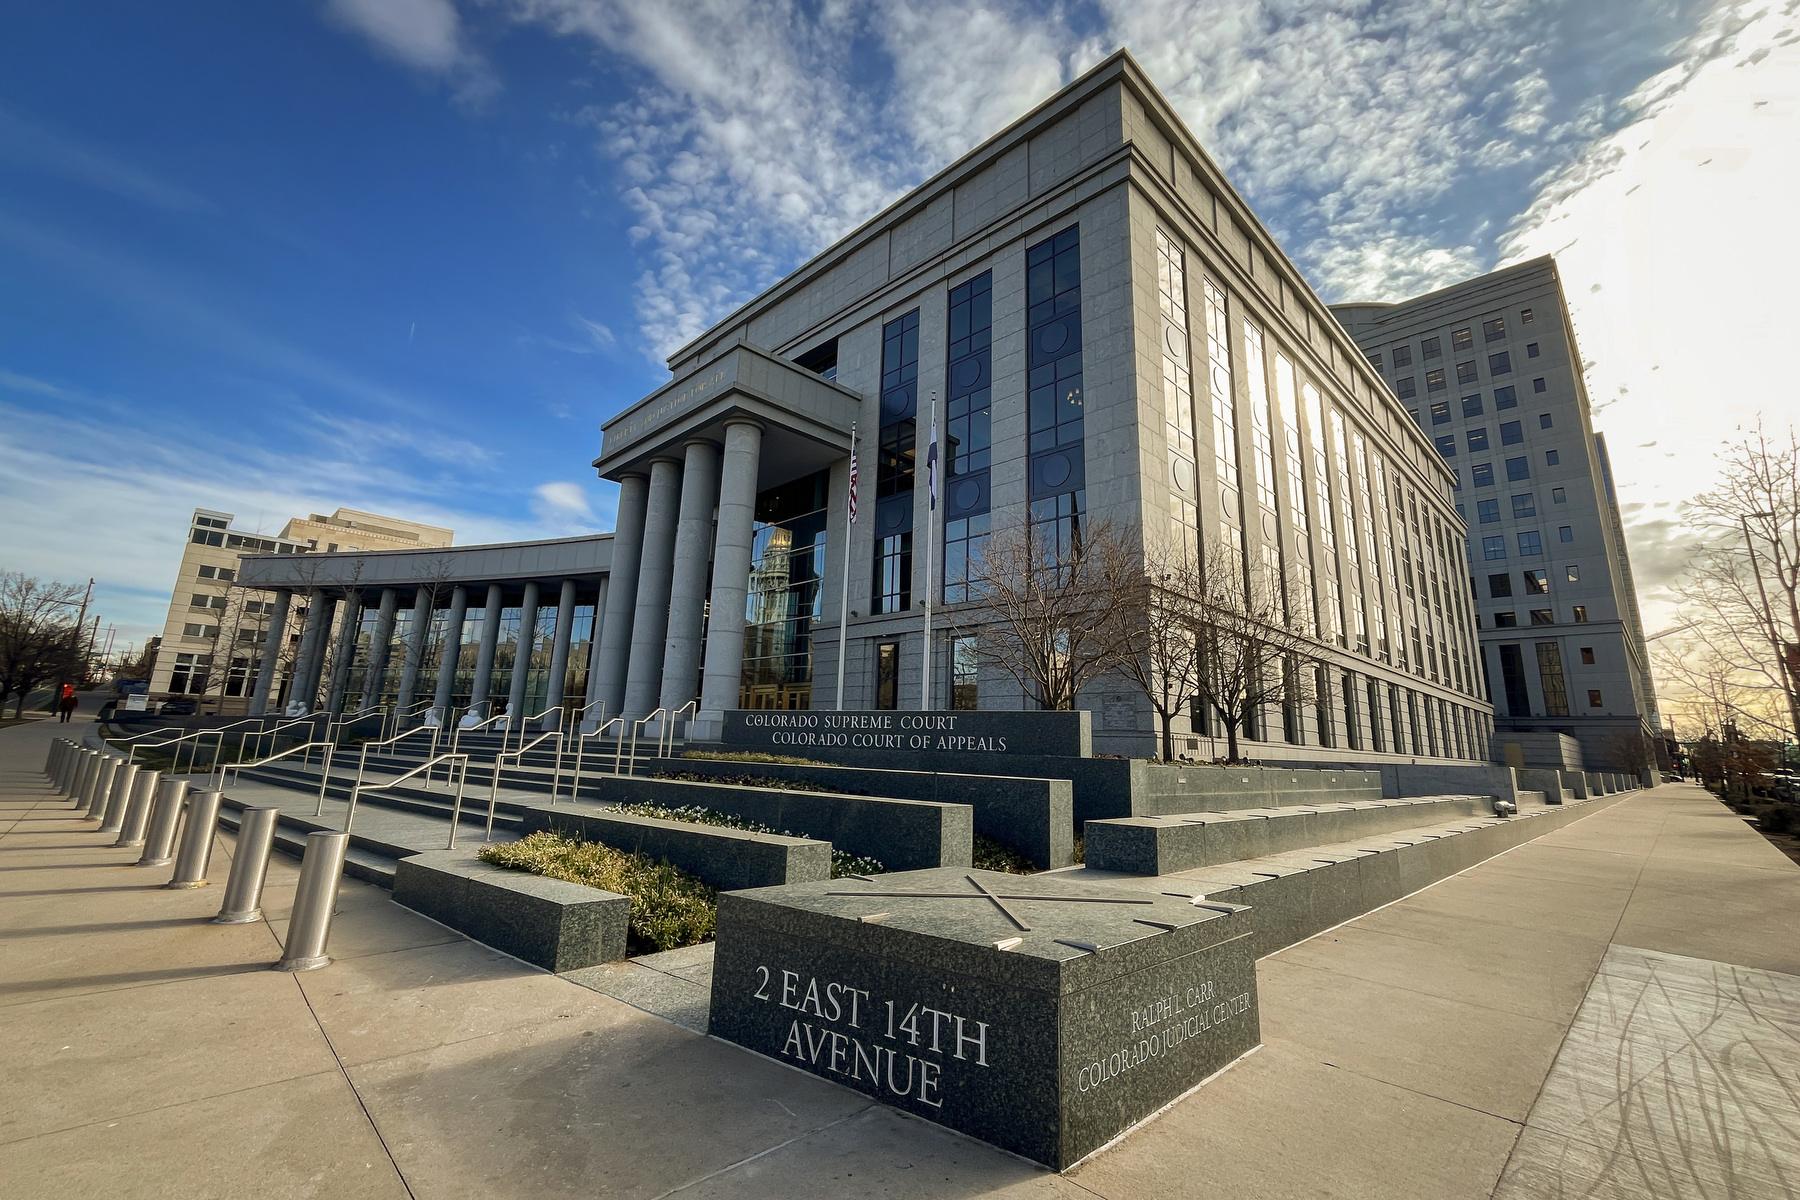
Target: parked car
{"type": "Point", "coordinates": [180, 706]}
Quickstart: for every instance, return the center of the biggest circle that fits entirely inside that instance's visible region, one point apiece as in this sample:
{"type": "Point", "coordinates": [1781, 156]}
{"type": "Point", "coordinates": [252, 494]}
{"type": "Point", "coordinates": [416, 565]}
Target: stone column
{"type": "Point", "coordinates": [595, 715]}
{"type": "Point", "coordinates": [559, 649]}
{"type": "Point", "coordinates": [379, 644]}
{"type": "Point", "coordinates": [650, 616]}
{"type": "Point", "coordinates": [522, 656]}
{"type": "Point", "coordinates": [415, 648]}
{"type": "Point", "coordinates": [490, 637]}
{"type": "Point", "coordinates": [306, 659]}
{"type": "Point", "coordinates": [612, 648]}
{"type": "Point", "coordinates": [687, 581]}
{"type": "Point", "coordinates": [273, 642]}
{"type": "Point", "coordinates": [731, 576]}
{"type": "Point", "coordinates": [344, 652]}
{"type": "Point", "coordinates": [446, 680]}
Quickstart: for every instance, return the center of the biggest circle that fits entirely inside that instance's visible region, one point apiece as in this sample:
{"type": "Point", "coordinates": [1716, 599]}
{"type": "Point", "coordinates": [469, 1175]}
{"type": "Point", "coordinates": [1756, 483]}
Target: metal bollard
{"type": "Point", "coordinates": [165, 819]}
{"type": "Point", "coordinates": [113, 816]}
{"type": "Point", "coordinates": [137, 810]}
{"type": "Point", "coordinates": [84, 762]}
{"type": "Point", "coordinates": [197, 839]}
{"type": "Point", "coordinates": [315, 902]}
{"type": "Point", "coordinates": [249, 867]}
{"type": "Point", "coordinates": [59, 750]}
{"type": "Point", "coordinates": [100, 786]}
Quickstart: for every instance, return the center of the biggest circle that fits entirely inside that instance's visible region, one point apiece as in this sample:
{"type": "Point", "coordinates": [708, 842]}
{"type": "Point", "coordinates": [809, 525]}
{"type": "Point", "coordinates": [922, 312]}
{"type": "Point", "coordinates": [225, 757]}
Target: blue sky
{"type": "Point", "coordinates": [408, 254]}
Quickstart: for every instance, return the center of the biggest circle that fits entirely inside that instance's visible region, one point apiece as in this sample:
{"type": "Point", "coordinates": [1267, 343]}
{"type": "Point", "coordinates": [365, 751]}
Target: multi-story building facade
{"type": "Point", "coordinates": [1106, 333]}
{"type": "Point", "coordinates": [212, 639]}
{"type": "Point", "coordinates": [1490, 370]}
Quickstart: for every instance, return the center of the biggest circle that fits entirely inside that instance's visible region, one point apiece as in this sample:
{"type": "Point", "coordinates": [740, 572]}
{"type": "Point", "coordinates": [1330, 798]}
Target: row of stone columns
{"type": "Point", "coordinates": [650, 651]}
{"type": "Point", "coordinates": [309, 660]}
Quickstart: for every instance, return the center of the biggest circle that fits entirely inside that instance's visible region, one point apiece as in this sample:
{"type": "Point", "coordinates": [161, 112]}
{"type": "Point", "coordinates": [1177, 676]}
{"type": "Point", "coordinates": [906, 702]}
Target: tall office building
{"type": "Point", "coordinates": [1111, 335]}
{"type": "Point", "coordinates": [1490, 370]}
{"type": "Point", "coordinates": [213, 637]}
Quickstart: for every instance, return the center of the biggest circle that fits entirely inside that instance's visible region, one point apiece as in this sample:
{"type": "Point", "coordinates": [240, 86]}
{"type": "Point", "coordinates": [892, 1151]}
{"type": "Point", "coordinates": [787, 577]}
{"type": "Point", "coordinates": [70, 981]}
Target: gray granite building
{"type": "Point", "coordinates": [1489, 368]}
{"type": "Point", "coordinates": [1109, 333]}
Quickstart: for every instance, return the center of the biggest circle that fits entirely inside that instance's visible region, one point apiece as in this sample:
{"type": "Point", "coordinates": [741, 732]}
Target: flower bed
{"type": "Point", "coordinates": [669, 909]}
{"type": "Point", "coordinates": [842, 862]}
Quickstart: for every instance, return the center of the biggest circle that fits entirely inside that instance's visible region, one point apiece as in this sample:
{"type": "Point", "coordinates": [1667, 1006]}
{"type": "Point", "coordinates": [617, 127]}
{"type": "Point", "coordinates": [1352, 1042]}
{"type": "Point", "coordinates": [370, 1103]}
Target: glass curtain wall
{"type": "Point", "coordinates": [787, 566]}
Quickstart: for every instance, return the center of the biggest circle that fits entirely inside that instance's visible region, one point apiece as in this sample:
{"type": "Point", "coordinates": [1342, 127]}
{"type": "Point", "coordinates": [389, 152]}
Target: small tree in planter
{"type": "Point", "coordinates": [1254, 636]}
{"type": "Point", "coordinates": [1161, 608]}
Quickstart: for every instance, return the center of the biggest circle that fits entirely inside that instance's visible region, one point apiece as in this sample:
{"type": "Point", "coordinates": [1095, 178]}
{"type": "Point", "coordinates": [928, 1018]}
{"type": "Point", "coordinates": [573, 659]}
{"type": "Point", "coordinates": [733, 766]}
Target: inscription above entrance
{"type": "Point", "coordinates": [856, 734]}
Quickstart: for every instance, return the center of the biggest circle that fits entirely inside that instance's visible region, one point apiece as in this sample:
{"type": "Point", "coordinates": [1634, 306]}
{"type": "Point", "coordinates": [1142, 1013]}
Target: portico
{"type": "Point", "coordinates": [691, 461]}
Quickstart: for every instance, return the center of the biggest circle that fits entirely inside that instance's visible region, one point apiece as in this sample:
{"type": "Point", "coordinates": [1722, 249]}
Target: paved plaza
{"type": "Point", "coordinates": [1612, 1010]}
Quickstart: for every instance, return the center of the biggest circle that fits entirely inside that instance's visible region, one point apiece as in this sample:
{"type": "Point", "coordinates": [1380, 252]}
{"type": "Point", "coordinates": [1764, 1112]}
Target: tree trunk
{"type": "Point", "coordinates": [1168, 735]}
{"type": "Point", "coordinates": [1231, 741]}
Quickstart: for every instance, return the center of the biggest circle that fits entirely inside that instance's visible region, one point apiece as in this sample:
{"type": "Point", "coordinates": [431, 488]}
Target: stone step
{"type": "Point", "coordinates": [1163, 845]}
{"type": "Point", "coordinates": [407, 797]}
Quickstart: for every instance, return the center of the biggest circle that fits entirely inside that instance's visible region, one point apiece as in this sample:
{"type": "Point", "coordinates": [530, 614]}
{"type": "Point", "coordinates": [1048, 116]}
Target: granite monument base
{"type": "Point", "coordinates": [1045, 1017]}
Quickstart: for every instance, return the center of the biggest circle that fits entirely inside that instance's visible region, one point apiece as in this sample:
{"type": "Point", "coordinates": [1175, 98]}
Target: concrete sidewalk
{"type": "Point", "coordinates": [1611, 1011]}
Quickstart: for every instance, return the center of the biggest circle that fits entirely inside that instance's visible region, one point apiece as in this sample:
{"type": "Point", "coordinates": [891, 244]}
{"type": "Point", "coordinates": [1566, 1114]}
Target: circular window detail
{"type": "Point", "coordinates": [1052, 338]}
{"type": "Point", "coordinates": [1176, 342]}
{"type": "Point", "coordinates": [967, 373]}
{"type": "Point", "coordinates": [968, 493]}
{"type": "Point", "coordinates": [1055, 470]}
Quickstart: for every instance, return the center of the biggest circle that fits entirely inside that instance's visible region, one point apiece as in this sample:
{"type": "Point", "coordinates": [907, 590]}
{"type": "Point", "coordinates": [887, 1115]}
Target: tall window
{"type": "Point", "coordinates": [1300, 560]}
{"type": "Point", "coordinates": [1262, 438]}
{"type": "Point", "coordinates": [787, 567]}
{"type": "Point", "coordinates": [1178, 395]}
{"type": "Point", "coordinates": [967, 394]}
{"type": "Point", "coordinates": [899, 404]}
{"type": "Point", "coordinates": [1550, 676]}
{"type": "Point", "coordinates": [1054, 387]}
{"type": "Point", "coordinates": [964, 540]}
{"type": "Point", "coordinates": [1334, 624]}
{"type": "Point", "coordinates": [964, 674]}
{"type": "Point", "coordinates": [893, 573]}
{"type": "Point", "coordinates": [887, 675]}
{"type": "Point", "coordinates": [1224, 414]}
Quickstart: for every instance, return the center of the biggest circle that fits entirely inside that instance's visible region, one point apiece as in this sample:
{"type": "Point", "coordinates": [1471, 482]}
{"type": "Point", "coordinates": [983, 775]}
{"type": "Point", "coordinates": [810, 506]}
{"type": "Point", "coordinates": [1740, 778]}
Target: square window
{"type": "Point", "coordinates": [1524, 504]}
{"type": "Point", "coordinates": [1500, 364]}
{"type": "Point", "coordinates": [1500, 585]}
{"type": "Point", "coordinates": [1472, 405]}
{"type": "Point", "coordinates": [1478, 438]}
{"type": "Point", "coordinates": [1504, 397]}
{"type": "Point", "coordinates": [1434, 380]}
{"type": "Point", "coordinates": [1531, 544]}
{"type": "Point", "coordinates": [1493, 547]}
{"type": "Point", "coordinates": [1531, 349]}
{"type": "Point", "coordinates": [1581, 614]}
{"type": "Point", "coordinates": [1544, 421]}
{"type": "Point", "coordinates": [1494, 330]}
{"type": "Point", "coordinates": [1565, 534]}
{"type": "Point", "coordinates": [1446, 445]}
{"type": "Point", "coordinates": [1538, 385]}
{"type": "Point", "coordinates": [1432, 348]}
{"type": "Point", "coordinates": [1461, 339]}
{"type": "Point", "coordinates": [1506, 620]}
{"type": "Point", "coordinates": [1406, 387]}
{"type": "Point", "coordinates": [1402, 356]}
{"type": "Point", "coordinates": [1440, 413]}
{"type": "Point", "coordinates": [1518, 468]}
{"type": "Point", "coordinates": [1510, 433]}
{"type": "Point", "coordinates": [1574, 573]}
{"type": "Point", "coordinates": [1487, 511]}
{"type": "Point", "coordinates": [1594, 698]}
{"type": "Point", "coordinates": [1525, 317]}
{"type": "Point", "coordinates": [1375, 360]}
{"type": "Point", "coordinates": [1587, 656]}
{"type": "Point", "coordinates": [1542, 616]}
{"type": "Point", "coordinates": [1537, 581]}
{"type": "Point", "coordinates": [1559, 496]}
{"type": "Point", "coordinates": [1482, 475]}
{"type": "Point", "coordinates": [1551, 458]}
{"type": "Point", "coordinates": [1465, 372]}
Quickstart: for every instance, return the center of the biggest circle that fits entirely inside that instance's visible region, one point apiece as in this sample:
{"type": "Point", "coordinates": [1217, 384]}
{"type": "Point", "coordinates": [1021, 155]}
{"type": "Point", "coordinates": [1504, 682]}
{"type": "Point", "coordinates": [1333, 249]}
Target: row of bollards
{"type": "Point", "coordinates": [175, 825]}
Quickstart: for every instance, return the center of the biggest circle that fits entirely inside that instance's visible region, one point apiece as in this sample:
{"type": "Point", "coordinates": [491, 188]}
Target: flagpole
{"type": "Point", "coordinates": [844, 572]}
{"type": "Point", "coordinates": [931, 477]}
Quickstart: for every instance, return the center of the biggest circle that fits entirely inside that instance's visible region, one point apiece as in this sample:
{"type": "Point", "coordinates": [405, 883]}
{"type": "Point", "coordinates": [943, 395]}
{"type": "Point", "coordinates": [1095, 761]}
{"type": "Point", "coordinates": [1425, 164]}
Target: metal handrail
{"type": "Point", "coordinates": [668, 728]}
{"type": "Point", "coordinates": [456, 735]}
{"type": "Point", "coordinates": [581, 740]}
{"type": "Point", "coordinates": [400, 714]}
{"type": "Point", "coordinates": [526, 723]}
{"type": "Point", "coordinates": [428, 764]}
{"type": "Point", "coordinates": [582, 712]}
{"type": "Point", "coordinates": [270, 732]}
{"type": "Point", "coordinates": [631, 762]}
{"type": "Point", "coordinates": [324, 772]}
{"type": "Point", "coordinates": [517, 756]}
{"type": "Point", "coordinates": [175, 759]}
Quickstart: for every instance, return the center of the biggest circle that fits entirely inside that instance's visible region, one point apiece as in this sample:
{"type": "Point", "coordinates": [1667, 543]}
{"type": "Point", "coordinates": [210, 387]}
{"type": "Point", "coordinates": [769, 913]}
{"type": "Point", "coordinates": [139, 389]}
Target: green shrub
{"type": "Point", "coordinates": [755, 781]}
{"type": "Point", "coordinates": [669, 908]}
{"type": "Point", "coordinates": [1777, 818]}
{"type": "Point", "coordinates": [991, 855]}
{"type": "Point", "coordinates": [753, 756]}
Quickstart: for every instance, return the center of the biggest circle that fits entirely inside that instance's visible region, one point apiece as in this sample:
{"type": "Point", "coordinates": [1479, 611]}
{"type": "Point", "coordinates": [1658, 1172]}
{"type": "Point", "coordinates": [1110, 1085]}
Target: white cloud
{"type": "Point", "coordinates": [426, 35]}
{"type": "Point", "coordinates": [563, 507]}
{"type": "Point", "coordinates": [40, 147]}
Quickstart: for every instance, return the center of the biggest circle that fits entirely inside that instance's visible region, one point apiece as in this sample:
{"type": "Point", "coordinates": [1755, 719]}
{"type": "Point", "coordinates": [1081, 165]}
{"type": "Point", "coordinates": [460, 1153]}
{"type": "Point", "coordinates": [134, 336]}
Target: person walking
{"type": "Point", "coordinates": [66, 703]}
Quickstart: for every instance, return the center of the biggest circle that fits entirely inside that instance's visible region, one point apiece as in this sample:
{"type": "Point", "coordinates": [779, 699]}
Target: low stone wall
{"type": "Point", "coordinates": [726, 859]}
{"type": "Point", "coordinates": [1160, 788]}
{"type": "Point", "coordinates": [550, 923]}
{"type": "Point", "coordinates": [1036, 817]}
{"type": "Point", "coordinates": [1165, 845]}
{"type": "Point", "coordinates": [902, 835]}
{"type": "Point", "coordinates": [1544, 780]}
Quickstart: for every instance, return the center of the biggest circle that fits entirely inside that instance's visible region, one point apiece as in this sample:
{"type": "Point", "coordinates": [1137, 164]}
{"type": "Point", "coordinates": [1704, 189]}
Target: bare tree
{"type": "Point", "coordinates": [1255, 639]}
{"type": "Point", "coordinates": [1049, 605]}
{"type": "Point", "coordinates": [1742, 591]}
{"type": "Point", "coordinates": [39, 640]}
{"type": "Point", "coordinates": [1161, 609]}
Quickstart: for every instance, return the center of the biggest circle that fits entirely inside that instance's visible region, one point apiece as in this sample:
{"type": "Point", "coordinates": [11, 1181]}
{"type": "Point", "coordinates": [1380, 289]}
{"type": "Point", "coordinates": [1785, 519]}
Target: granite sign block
{"type": "Point", "coordinates": [969, 735]}
{"type": "Point", "coordinates": [1042, 1015]}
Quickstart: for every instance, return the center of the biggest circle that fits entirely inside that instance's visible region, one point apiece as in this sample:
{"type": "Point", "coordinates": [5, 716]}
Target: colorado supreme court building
{"type": "Point", "coordinates": [1111, 334]}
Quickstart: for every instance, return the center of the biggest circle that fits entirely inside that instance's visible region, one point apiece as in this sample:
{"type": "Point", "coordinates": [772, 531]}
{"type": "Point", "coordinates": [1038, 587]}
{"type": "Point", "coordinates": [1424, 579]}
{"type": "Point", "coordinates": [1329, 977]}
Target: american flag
{"type": "Point", "coordinates": [853, 476]}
